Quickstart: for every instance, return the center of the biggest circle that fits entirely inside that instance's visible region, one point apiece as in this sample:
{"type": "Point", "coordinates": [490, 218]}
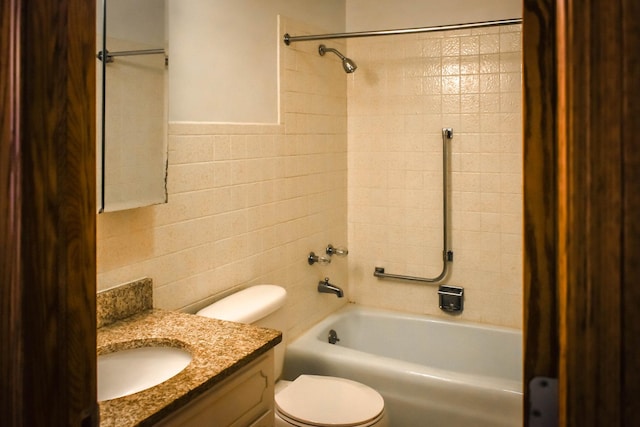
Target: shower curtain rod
{"type": "Point", "coordinates": [288, 39]}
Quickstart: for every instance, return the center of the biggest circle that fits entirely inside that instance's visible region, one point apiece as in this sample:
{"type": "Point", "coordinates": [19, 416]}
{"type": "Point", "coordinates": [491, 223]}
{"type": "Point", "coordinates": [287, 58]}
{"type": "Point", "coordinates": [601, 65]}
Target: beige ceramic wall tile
{"type": "Point", "coordinates": [470, 80]}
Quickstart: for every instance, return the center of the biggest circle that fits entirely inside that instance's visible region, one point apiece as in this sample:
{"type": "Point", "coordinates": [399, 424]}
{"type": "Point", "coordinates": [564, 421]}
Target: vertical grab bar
{"type": "Point", "coordinates": [447, 253]}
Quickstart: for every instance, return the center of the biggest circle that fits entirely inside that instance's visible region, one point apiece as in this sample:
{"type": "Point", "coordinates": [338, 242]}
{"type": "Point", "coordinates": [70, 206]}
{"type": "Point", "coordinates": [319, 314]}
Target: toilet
{"type": "Point", "coordinates": [309, 400]}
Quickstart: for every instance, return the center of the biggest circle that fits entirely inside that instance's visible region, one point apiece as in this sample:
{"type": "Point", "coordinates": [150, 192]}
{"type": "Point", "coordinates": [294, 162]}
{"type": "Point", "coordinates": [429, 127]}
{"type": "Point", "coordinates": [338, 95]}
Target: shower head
{"type": "Point", "coordinates": [348, 65]}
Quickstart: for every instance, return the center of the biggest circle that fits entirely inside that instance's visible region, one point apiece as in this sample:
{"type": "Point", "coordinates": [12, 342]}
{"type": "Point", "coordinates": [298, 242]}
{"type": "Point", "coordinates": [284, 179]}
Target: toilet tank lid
{"type": "Point", "coordinates": [248, 305]}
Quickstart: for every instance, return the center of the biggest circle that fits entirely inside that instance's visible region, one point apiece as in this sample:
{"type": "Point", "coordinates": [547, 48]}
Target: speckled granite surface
{"type": "Point", "coordinates": [123, 301]}
{"type": "Point", "coordinates": [218, 348]}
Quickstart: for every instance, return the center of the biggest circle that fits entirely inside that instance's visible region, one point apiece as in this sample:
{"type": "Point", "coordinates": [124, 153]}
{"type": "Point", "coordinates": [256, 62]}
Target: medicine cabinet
{"type": "Point", "coordinates": [132, 68]}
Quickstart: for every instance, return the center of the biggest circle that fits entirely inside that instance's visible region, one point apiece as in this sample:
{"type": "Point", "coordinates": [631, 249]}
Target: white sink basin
{"type": "Point", "coordinates": [129, 371]}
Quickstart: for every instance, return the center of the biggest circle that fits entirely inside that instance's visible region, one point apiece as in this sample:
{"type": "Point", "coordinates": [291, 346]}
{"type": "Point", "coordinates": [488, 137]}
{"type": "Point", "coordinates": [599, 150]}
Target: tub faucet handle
{"type": "Point", "coordinates": [340, 251]}
{"type": "Point", "coordinates": [313, 258]}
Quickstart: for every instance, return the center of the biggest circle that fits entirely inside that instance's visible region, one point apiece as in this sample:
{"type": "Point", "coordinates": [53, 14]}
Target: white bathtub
{"type": "Point", "coordinates": [431, 372]}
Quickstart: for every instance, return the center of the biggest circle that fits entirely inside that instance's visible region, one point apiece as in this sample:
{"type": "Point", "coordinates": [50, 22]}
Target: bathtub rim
{"type": "Point", "coordinates": [311, 341]}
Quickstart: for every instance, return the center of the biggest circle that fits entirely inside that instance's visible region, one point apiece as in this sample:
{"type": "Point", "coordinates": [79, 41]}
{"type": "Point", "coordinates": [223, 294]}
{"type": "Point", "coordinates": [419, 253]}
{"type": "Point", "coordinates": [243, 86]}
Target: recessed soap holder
{"type": "Point", "coordinates": [451, 298]}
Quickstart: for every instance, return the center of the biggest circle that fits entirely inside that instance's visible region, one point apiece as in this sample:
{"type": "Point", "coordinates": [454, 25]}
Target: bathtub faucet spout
{"type": "Point", "coordinates": [327, 288]}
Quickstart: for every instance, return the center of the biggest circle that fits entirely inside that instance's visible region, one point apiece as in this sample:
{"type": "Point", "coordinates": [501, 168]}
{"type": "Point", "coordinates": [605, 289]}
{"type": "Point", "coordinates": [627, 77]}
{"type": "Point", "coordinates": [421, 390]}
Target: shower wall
{"type": "Point", "coordinates": [407, 88]}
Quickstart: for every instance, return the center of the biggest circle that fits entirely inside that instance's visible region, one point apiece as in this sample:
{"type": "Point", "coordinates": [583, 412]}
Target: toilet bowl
{"type": "Point", "coordinates": [309, 400]}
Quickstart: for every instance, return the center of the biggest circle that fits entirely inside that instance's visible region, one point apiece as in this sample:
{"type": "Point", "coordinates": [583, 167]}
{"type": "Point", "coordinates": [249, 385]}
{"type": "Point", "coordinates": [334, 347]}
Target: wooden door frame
{"type": "Point", "coordinates": [581, 232]}
{"type": "Point", "coordinates": [540, 191]}
{"type": "Point", "coordinates": [599, 210]}
{"type": "Point", "coordinates": [582, 206]}
{"type": "Point", "coordinates": [47, 213]}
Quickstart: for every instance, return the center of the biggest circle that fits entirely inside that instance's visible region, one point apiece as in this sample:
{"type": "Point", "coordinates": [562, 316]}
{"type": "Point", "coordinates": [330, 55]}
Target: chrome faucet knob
{"type": "Point", "coordinates": [336, 251]}
{"type": "Point", "coordinates": [313, 258]}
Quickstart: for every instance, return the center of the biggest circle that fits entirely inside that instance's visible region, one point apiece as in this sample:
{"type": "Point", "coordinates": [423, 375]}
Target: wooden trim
{"type": "Point", "coordinates": [631, 208]}
{"type": "Point", "coordinates": [11, 406]}
{"type": "Point", "coordinates": [540, 193]}
{"type": "Point", "coordinates": [49, 242]}
{"type": "Point", "coordinates": [592, 256]}
{"type": "Point", "coordinates": [596, 185]}
{"type": "Point", "coordinates": [599, 210]}
{"type": "Point", "coordinates": [592, 331]}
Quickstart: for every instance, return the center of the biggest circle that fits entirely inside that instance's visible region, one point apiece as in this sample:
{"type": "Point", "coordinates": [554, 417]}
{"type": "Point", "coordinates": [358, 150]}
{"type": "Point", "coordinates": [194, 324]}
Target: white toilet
{"type": "Point", "coordinates": [309, 400]}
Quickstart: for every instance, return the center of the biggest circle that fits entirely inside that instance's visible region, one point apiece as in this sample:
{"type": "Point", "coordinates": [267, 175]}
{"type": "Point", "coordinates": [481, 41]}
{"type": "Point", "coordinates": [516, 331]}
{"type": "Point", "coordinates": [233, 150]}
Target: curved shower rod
{"type": "Point", "coordinates": [288, 39]}
{"type": "Point", "coordinates": [447, 253]}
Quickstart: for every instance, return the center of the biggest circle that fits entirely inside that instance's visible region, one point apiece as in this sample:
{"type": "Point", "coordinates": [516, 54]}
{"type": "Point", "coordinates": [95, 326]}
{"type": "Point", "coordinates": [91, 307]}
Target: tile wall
{"type": "Point", "coordinates": [406, 89]}
{"type": "Point", "coordinates": [247, 203]}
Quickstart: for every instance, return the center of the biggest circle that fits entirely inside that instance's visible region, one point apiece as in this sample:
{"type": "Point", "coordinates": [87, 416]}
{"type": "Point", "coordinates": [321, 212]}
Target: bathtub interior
{"type": "Point", "coordinates": [467, 374]}
{"type": "Point", "coordinates": [461, 347]}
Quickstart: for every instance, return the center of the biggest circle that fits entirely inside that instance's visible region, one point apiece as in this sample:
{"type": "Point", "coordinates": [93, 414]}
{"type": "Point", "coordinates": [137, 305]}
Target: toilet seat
{"type": "Point", "coordinates": [312, 400]}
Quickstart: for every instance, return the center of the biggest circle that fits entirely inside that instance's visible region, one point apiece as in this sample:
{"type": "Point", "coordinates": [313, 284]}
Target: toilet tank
{"type": "Point", "coordinates": [259, 305]}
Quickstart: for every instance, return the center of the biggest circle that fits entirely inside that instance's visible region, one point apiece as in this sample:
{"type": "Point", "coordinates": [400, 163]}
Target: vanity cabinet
{"type": "Point", "coordinates": [246, 398]}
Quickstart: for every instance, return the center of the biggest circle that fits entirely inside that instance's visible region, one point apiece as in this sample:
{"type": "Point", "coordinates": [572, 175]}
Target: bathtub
{"type": "Point", "coordinates": [431, 372]}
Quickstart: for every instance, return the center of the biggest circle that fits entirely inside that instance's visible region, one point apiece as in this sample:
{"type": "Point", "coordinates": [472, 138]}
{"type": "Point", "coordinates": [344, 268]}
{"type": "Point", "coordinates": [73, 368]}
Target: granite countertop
{"type": "Point", "coordinates": [218, 349]}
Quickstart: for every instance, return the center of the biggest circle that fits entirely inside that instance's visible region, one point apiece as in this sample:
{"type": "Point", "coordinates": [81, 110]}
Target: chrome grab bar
{"type": "Point", "coordinates": [447, 253]}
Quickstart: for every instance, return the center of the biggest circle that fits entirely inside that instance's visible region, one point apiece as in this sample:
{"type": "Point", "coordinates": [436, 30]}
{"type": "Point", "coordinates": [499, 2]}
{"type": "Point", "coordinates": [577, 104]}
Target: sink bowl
{"type": "Point", "coordinates": [125, 372]}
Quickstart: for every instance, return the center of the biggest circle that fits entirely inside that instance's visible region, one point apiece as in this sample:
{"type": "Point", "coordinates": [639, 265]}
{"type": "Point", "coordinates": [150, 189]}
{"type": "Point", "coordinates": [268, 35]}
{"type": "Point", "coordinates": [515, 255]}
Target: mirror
{"type": "Point", "coordinates": [132, 104]}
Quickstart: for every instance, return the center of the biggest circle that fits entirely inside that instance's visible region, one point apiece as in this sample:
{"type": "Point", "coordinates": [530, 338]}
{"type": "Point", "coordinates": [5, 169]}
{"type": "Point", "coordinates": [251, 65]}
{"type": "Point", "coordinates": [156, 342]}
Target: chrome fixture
{"type": "Point", "coordinates": [336, 251]}
{"type": "Point", "coordinates": [447, 253]}
{"type": "Point", "coordinates": [333, 337]}
{"type": "Point", "coordinates": [325, 287]}
{"type": "Point", "coordinates": [451, 298]}
{"type": "Point", "coordinates": [288, 39]}
{"type": "Point", "coordinates": [348, 65]}
{"type": "Point", "coordinates": [313, 258]}
{"type": "Point", "coordinates": [110, 55]}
